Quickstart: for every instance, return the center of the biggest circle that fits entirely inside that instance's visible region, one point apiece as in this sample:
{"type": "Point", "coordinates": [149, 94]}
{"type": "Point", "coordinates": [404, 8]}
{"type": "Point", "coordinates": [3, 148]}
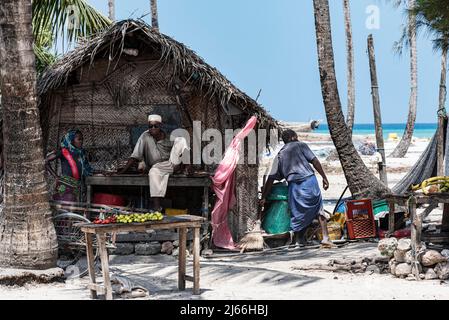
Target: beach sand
{"type": "Point", "coordinates": [248, 277]}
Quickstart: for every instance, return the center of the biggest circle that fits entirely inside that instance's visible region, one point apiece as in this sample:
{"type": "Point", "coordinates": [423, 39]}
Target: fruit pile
{"type": "Point", "coordinates": [108, 220]}
{"type": "Point", "coordinates": [433, 185]}
{"type": "Point", "coordinates": [139, 217]}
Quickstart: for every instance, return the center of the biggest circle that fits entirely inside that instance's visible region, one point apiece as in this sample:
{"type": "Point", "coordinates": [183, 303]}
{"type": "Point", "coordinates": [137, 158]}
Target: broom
{"type": "Point", "coordinates": [253, 240]}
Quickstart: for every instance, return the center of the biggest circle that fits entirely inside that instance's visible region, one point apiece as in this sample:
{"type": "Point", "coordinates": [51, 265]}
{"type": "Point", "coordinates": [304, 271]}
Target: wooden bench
{"type": "Point", "coordinates": [182, 223]}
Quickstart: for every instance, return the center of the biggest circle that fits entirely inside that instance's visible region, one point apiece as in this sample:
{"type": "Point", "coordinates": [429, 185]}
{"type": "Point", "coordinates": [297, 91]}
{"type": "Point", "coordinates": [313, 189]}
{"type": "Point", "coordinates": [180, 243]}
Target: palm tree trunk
{"type": "Point", "coordinates": [27, 234]}
{"type": "Point", "coordinates": [154, 16]}
{"type": "Point", "coordinates": [376, 109]}
{"type": "Point", "coordinates": [350, 63]}
{"type": "Point", "coordinates": [402, 148]}
{"type": "Point", "coordinates": [111, 4]}
{"type": "Point", "coordinates": [360, 180]}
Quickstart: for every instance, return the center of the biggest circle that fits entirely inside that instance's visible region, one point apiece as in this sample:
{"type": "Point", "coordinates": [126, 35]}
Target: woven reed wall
{"type": "Point", "coordinates": [108, 109]}
{"type": "Point", "coordinates": [111, 109]}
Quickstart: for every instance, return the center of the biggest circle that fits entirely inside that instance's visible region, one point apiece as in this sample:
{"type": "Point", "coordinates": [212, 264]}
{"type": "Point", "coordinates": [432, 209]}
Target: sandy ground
{"type": "Point", "coordinates": [266, 276]}
{"type": "Point", "coordinates": [249, 277]}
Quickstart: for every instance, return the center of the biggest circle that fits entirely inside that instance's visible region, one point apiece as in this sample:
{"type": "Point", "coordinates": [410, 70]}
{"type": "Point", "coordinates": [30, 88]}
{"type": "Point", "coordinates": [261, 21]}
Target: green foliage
{"type": "Point", "coordinates": [44, 58]}
{"type": "Point", "coordinates": [433, 16]}
{"type": "Point", "coordinates": [65, 20]}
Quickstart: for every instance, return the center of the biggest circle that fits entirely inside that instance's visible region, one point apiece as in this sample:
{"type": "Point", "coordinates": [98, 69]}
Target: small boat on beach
{"type": "Point", "coordinates": [301, 126]}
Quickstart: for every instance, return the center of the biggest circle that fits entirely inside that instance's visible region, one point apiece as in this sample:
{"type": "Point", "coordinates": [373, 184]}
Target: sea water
{"type": "Point", "coordinates": [422, 130]}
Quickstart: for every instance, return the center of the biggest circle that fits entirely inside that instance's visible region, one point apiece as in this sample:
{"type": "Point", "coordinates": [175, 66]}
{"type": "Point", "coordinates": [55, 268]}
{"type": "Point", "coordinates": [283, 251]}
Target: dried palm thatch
{"type": "Point", "coordinates": [186, 65]}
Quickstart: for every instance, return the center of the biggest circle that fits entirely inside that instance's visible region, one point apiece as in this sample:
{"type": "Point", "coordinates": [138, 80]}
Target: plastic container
{"type": "Point", "coordinates": [380, 207]}
{"type": "Point", "coordinates": [334, 231]}
{"type": "Point", "coordinates": [109, 199]}
{"type": "Point", "coordinates": [360, 219]}
{"type": "Point", "coordinates": [278, 192]}
{"type": "Point", "coordinates": [277, 218]}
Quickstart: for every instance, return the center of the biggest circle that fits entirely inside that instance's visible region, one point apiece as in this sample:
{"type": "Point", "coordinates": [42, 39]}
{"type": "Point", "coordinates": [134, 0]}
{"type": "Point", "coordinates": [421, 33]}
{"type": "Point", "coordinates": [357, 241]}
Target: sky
{"type": "Point", "coordinates": [270, 45]}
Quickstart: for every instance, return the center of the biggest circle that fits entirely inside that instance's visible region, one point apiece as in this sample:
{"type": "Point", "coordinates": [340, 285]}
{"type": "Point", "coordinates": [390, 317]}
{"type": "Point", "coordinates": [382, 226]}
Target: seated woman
{"type": "Point", "coordinates": [74, 167]}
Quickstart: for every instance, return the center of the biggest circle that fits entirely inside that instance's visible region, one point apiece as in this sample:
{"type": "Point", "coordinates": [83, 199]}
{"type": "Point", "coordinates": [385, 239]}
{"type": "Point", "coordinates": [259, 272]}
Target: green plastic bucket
{"type": "Point", "coordinates": [278, 192]}
{"type": "Point", "coordinates": [277, 218]}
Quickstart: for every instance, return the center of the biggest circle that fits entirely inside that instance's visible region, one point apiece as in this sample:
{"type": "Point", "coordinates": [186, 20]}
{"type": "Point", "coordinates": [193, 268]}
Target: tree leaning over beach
{"type": "Point", "coordinates": [27, 234]}
{"type": "Point", "coordinates": [360, 180]}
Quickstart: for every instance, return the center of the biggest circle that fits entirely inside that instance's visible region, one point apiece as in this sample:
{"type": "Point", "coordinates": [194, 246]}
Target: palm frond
{"type": "Point", "coordinates": [433, 17]}
{"type": "Point", "coordinates": [44, 58]}
{"type": "Point", "coordinates": [67, 19]}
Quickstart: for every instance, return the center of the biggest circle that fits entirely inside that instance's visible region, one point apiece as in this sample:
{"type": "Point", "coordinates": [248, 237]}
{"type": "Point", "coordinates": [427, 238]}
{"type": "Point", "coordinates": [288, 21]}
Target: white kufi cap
{"type": "Point", "coordinates": [154, 117]}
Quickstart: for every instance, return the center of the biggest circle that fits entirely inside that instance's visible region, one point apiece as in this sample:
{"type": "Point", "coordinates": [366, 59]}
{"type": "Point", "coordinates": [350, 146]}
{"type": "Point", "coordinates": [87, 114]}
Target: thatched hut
{"type": "Point", "coordinates": [109, 84]}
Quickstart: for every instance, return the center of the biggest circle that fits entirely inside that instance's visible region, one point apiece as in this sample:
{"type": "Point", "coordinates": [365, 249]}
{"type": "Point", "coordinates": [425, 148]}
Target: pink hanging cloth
{"type": "Point", "coordinates": [224, 187]}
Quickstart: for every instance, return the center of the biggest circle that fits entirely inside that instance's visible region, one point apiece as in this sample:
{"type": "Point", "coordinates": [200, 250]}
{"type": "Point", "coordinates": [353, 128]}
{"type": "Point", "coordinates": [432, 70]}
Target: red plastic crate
{"type": "Point", "coordinates": [360, 219]}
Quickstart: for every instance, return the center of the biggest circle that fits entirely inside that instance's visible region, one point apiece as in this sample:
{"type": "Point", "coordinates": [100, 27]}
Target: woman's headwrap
{"type": "Point", "coordinates": [78, 152]}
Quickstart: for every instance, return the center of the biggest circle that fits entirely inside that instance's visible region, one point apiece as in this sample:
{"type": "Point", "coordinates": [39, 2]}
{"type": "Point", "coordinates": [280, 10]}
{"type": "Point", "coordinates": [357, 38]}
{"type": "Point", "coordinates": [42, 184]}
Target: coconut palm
{"type": "Point", "coordinates": [433, 16]}
{"type": "Point", "coordinates": [350, 65]}
{"type": "Point", "coordinates": [66, 21]}
{"type": "Point", "coordinates": [401, 149]}
{"type": "Point", "coordinates": [27, 235]}
{"type": "Point", "coordinates": [360, 180]}
{"type": "Point", "coordinates": [43, 50]}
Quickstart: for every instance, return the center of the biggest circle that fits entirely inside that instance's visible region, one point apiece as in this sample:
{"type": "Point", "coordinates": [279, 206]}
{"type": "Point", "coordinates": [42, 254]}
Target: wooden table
{"type": "Point", "coordinates": [142, 181]}
{"type": "Point", "coordinates": [182, 223]}
{"type": "Point", "coordinates": [411, 201]}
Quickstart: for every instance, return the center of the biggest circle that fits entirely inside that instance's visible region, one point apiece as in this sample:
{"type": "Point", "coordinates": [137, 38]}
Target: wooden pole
{"type": "Point", "coordinates": [196, 261]}
{"type": "Point", "coordinates": [376, 108]}
{"type": "Point", "coordinates": [182, 259]}
{"type": "Point", "coordinates": [154, 15]}
{"type": "Point", "coordinates": [416, 228]}
{"type": "Point", "coordinates": [441, 165]}
{"type": "Point", "coordinates": [441, 145]}
{"type": "Point", "coordinates": [442, 114]}
{"type": "Point", "coordinates": [111, 4]}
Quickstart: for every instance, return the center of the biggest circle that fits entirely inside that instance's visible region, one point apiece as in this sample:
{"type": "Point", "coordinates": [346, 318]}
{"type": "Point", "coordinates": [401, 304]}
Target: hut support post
{"type": "Point", "coordinates": [441, 167]}
{"type": "Point", "coordinates": [376, 108]}
{"type": "Point", "coordinates": [441, 145]}
{"type": "Point", "coordinates": [415, 236]}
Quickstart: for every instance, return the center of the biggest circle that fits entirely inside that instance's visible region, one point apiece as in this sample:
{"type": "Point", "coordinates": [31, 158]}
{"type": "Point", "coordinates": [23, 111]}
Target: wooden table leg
{"type": "Point", "coordinates": [205, 210]}
{"type": "Point", "coordinates": [196, 261]}
{"type": "Point", "coordinates": [391, 218]}
{"type": "Point", "coordinates": [91, 262]}
{"type": "Point", "coordinates": [182, 259]}
{"type": "Point", "coordinates": [101, 238]}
